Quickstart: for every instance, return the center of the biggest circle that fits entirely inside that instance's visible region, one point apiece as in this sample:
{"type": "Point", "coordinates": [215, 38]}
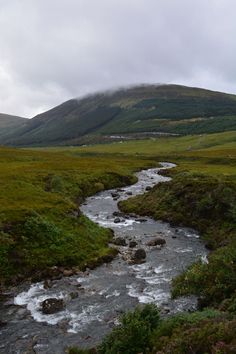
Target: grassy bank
{"type": "Point", "coordinates": [40, 221]}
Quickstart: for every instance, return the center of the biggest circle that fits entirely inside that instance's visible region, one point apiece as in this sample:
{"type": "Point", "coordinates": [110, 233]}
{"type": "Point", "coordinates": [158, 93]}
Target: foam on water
{"type": "Point", "coordinates": [33, 299]}
{"type": "Point", "coordinates": [80, 320]}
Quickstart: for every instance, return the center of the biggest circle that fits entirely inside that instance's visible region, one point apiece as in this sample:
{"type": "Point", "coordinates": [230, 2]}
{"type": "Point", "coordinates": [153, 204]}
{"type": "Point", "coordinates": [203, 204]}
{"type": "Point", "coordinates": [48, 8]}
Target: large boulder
{"type": "Point", "coordinates": [157, 241]}
{"type": "Point", "coordinates": [52, 305]}
{"type": "Point", "coordinates": [139, 255]}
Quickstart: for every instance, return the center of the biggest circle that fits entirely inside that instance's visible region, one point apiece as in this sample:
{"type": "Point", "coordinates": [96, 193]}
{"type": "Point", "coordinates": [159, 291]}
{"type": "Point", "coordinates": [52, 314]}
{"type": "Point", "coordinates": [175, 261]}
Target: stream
{"type": "Point", "coordinates": [96, 298]}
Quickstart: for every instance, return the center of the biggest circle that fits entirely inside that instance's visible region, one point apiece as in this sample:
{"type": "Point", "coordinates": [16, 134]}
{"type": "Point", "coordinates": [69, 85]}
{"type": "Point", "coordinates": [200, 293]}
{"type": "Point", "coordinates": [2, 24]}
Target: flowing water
{"type": "Point", "coordinates": [104, 293]}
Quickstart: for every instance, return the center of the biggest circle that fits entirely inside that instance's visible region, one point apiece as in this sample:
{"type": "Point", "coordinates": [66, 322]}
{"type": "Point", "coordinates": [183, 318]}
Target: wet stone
{"type": "Point", "coordinates": [74, 295]}
{"type": "Point", "coordinates": [140, 254]}
{"type": "Point", "coordinates": [133, 244]}
{"type": "Point", "coordinates": [118, 213]}
{"type": "Point", "coordinates": [141, 219]}
{"type": "Point", "coordinates": [114, 195]}
{"type": "Point", "coordinates": [157, 241]}
{"type": "Point", "coordinates": [119, 241]}
{"type": "Point", "coordinates": [47, 284]}
{"type": "Point", "coordinates": [117, 220]}
{"type": "Point", "coordinates": [52, 305]}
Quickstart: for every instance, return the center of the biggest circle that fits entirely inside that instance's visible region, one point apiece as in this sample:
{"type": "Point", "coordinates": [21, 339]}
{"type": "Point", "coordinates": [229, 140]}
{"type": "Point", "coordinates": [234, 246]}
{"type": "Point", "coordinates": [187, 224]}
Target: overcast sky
{"type": "Point", "coordinates": [53, 50]}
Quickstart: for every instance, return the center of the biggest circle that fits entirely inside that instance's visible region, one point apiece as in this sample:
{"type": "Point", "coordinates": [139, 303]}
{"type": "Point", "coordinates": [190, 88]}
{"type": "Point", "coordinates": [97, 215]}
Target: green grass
{"type": "Point", "coordinates": [40, 193]}
{"type": "Point", "coordinates": [162, 146]}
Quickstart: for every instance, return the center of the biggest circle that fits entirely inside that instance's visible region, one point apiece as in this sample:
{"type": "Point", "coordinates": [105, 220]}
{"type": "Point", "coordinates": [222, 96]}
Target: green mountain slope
{"type": "Point", "coordinates": [9, 124]}
{"type": "Point", "coordinates": [162, 108]}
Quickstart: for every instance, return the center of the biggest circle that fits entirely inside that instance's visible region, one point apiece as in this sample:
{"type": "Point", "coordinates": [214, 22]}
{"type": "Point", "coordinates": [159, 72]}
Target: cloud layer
{"type": "Point", "coordinates": [54, 50]}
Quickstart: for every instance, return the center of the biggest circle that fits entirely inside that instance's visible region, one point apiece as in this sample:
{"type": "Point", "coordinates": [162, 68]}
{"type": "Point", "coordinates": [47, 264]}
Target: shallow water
{"type": "Point", "coordinates": [109, 290]}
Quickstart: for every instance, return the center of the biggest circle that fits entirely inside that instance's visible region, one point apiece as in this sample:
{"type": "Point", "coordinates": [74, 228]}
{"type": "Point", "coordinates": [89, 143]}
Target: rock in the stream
{"type": "Point", "coordinates": [141, 219]}
{"type": "Point", "coordinates": [118, 213]}
{"type": "Point", "coordinates": [119, 241]}
{"type": "Point", "coordinates": [129, 193]}
{"type": "Point", "coordinates": [133, 244]}
{"type": "Point", "coordinates": [139, 255]}
{"type": "Point", "coordinates": [68, 272]}
{"type": "Point", "coordinates": [114, 195]}
{"type": "Point", "coordinates": [47, 284]}
{"type": "Point", "coordinates": [52, 305]}
{"type": "Point", "coordinates": [117, 220]}
{"type": "Point", "coordinates": [148, 188]}
{"type": "Point", "coordinates": [2, 324]}
{"type": "Point", "coordinates": [157, 241]}
{"type": "Point", "coordinates": [120, 190]}
{"type": "Point", "coordinates": [74, 295]}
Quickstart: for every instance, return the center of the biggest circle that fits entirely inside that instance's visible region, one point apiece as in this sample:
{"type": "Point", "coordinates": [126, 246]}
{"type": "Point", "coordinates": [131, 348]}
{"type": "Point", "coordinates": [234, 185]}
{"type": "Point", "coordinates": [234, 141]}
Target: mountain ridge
{"type": "Point", "coordinates": [167, 108]}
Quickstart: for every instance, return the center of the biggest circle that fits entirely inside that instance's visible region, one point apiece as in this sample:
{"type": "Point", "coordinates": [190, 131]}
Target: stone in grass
{"type": "Point", "coordinates": [52, 305]}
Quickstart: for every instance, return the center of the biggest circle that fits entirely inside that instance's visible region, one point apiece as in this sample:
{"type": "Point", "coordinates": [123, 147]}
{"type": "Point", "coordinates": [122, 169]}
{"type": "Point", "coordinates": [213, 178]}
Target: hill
{"type": "Point", "coordinates": [151, 109]}
{"type": "Point", "coordinates": [9, 124]}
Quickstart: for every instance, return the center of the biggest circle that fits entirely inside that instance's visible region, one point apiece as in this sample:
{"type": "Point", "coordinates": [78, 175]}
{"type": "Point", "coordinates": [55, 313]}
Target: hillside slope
{"type": "Point", "coordinates": [161, 108]}
{"type": "Point", "coordinates": [9, 124]}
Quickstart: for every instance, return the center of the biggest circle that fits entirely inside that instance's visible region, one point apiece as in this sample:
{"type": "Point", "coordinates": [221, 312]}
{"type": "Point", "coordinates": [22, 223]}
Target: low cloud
{"type": "Point", "coordinates": [54, 50]}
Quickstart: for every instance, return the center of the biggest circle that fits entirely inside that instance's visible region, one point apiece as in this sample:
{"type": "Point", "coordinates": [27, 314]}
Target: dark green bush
{"type": "Point", "coordinates": [214, 281]}
{"type": "Point", "coordinates": [133, 335]}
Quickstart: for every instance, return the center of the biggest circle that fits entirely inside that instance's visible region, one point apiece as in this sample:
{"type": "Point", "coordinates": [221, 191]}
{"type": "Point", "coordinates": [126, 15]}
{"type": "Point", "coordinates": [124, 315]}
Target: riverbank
{"type": "Point", "coordinates": [41, 226]}
{"type": "Point", "coordinates": [208, 205]}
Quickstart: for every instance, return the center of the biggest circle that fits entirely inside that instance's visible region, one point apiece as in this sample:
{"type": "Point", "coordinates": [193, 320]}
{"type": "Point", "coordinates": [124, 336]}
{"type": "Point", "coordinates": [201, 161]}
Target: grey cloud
{"type": "Point", "coordinates": [54, 50]}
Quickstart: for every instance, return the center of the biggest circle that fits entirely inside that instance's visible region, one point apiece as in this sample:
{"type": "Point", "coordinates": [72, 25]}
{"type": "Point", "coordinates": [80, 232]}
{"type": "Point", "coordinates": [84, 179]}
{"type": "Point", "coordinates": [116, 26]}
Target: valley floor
{"type": "Point", "coordinates": [41, 227]}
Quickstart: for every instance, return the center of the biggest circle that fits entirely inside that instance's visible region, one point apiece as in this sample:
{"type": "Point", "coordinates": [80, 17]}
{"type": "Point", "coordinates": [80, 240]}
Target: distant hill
{"type": "Point", "coordinates": [171, 109]}
{"type": "Point", "coordinates": [10, 124]}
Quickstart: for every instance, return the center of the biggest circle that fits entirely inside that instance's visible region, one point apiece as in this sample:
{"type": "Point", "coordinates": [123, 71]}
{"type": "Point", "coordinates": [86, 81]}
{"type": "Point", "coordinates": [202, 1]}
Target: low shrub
{"type": "Point", "coordinates": [134, 333]}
